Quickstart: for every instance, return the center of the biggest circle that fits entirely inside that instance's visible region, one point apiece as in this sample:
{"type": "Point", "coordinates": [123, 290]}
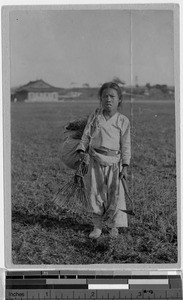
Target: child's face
{"type": "Point", "coordinates": [110, 100]}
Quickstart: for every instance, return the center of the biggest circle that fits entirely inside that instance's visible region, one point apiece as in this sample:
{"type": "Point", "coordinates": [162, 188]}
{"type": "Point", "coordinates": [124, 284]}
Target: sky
{"type": "Point", "coordinates": [69, 48]}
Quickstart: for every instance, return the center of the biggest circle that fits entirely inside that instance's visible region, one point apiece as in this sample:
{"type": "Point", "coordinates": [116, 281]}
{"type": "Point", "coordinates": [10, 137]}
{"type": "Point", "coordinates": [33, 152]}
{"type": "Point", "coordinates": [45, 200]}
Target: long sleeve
{"type": "Point", "coordinates": [126, 143]}
{"type": "Point", "coordinates": [85, 140]}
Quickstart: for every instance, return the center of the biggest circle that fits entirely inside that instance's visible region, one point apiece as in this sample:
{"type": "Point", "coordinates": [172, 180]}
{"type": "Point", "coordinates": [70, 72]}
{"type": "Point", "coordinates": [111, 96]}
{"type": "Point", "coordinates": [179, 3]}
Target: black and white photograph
{"type": "Point", "coordinates": [93, 158]}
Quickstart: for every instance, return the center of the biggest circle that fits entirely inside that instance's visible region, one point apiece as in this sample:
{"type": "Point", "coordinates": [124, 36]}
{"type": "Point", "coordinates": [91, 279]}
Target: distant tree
{"type": "Point", "coordinates": [148, 86]}
{"type": "Point", "coordinates": [164, 88]}
{"type": "Point", "coordinates": [158, 86]}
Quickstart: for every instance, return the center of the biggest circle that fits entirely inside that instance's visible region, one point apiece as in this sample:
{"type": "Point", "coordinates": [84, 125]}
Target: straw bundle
{"type": "Point", "coordinates": [73, 195]}
{"type": "Point", "coordinates": [77, 126]}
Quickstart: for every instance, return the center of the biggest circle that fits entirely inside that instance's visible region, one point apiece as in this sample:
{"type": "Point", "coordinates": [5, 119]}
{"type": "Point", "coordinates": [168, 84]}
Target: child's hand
{"type": "Point", "coordinates": [81, 155]}
{"type": "Point", "coordinates": [123, 173]}
{"type": "Point", "coordinates": [84, 160]}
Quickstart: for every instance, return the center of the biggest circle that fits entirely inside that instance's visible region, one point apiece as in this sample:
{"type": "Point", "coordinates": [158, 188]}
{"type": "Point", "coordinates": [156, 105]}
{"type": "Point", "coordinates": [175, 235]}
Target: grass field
{"type": "Point", "coordinates": [42, 235]}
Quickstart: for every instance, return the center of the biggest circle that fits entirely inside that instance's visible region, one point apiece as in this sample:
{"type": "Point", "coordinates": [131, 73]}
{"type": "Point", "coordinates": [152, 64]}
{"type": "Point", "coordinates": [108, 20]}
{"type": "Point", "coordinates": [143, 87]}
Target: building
{"type": "Point", "coordinates": [36, 91]}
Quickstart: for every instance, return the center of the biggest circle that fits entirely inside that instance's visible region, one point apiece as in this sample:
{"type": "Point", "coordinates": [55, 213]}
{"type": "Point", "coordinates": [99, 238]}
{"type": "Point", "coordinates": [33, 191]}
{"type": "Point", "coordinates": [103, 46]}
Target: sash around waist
{"type": "Point", "coordinates": [107, 152]}
{"type": "Point", "coordinates": [106, 158]}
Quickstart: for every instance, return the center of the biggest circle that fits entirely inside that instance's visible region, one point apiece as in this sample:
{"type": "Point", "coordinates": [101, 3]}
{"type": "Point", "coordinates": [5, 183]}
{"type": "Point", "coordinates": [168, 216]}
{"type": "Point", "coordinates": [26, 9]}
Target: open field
{"type": "Point", "coordinates": [42, 235]}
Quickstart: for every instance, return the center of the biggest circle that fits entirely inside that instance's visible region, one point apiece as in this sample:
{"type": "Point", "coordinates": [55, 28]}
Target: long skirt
{"type": "Point", "coordinates": [106, 193]}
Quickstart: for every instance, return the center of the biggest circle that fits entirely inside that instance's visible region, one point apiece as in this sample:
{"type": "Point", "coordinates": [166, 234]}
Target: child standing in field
{"type": "Point", "coordinates": [107, 140]}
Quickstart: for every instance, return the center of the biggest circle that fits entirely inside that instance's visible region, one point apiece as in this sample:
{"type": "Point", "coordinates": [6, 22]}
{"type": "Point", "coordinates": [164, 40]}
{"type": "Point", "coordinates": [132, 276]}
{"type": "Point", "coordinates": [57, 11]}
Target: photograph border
{"type": "Point", "coordinates": [6, 10]}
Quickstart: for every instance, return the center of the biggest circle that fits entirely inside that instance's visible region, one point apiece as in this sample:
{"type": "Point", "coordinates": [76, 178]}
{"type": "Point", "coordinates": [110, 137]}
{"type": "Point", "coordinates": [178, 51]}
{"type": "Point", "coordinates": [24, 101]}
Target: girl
{"type": "Point", "coordinates": [107, 140]}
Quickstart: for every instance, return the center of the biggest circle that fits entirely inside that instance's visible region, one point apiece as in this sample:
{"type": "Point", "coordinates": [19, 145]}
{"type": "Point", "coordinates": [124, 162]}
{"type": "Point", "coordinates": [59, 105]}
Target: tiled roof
{"type": "Point", "coordinates": [38, 86]}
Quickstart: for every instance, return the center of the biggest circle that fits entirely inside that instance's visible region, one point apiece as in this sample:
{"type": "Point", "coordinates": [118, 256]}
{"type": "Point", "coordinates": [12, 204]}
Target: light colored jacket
{"type": "Point", "coordinates": [112, 134]}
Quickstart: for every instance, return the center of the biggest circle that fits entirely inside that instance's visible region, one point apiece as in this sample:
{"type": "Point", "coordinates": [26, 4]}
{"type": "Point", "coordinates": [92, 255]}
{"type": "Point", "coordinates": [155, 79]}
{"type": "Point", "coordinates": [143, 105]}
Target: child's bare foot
{"type": "Point", "coordinates": [95, 234]}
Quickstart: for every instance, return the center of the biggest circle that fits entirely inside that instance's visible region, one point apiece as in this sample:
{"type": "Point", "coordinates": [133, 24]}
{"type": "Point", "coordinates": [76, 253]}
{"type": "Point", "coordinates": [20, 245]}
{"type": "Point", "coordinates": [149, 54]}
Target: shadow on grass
{"type": "Point", "coordinates": [64, 221]}
{"type": "Point", "coordinates": [100, 245]}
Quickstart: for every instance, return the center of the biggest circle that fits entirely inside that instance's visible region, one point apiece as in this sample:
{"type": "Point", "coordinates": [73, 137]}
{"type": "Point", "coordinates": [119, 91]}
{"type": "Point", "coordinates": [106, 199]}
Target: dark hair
{"type": "Point", "coordinates": [111, 85]}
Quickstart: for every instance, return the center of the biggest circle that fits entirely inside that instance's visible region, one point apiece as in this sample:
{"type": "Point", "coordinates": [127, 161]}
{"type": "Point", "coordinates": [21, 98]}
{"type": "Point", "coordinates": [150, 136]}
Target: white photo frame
{"type": "Point", "coordinates": [129, 11]}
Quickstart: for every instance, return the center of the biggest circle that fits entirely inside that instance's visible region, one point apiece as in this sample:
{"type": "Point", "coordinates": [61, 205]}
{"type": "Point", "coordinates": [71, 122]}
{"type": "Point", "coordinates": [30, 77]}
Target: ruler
{"type": "Point", "coordinates": [61, 285]}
